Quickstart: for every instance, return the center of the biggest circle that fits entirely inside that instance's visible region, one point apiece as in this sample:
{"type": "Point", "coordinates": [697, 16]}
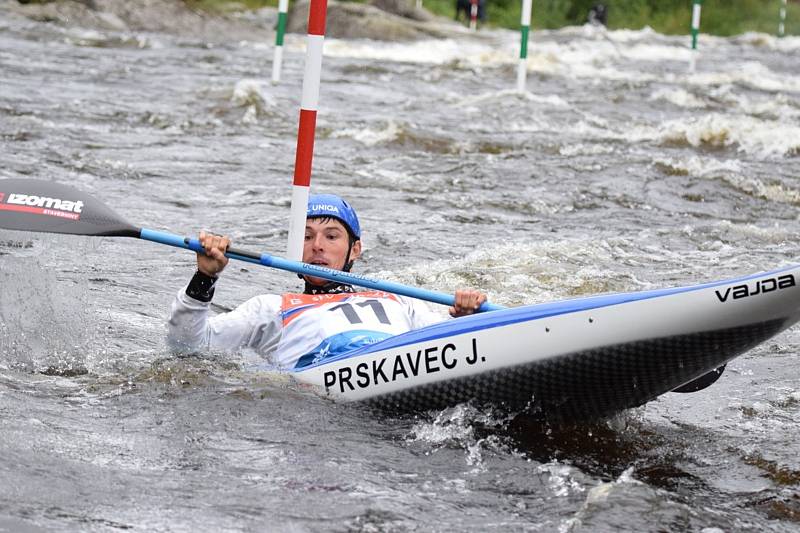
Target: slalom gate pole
{"type": "Point", "coordinates": [525, 28]}
{"type": "Point", "coordinates": [306, 130]}
{"type": "Point", "coordinates": [696, 8]}
{"type": "Point", "coordinates": [782, 23]}
{"type": "Point", "coordinates": [277, 58]}
{"type": "Point", "coordinates": [473, 15]}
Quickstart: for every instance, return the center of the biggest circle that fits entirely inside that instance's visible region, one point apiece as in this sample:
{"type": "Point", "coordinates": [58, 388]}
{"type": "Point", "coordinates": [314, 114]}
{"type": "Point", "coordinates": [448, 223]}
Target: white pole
{"type": "Point", "coordinates": [782, 23]}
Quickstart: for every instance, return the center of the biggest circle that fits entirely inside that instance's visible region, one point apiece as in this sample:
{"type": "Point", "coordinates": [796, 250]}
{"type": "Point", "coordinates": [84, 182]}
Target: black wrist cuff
{"type": "Point", "coordinates": [201, 287]}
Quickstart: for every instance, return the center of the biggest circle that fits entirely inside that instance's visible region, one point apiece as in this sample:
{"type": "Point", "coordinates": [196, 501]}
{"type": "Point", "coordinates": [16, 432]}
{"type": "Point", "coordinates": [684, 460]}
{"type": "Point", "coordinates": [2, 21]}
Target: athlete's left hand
{"type": "Point", "coordinates": [467, 302]}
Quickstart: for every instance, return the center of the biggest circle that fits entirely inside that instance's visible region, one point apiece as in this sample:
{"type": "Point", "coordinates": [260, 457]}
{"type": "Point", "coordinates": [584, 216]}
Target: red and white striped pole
{"type": "Point", "coordinates": [473, 15]}
{"type": "Point", "coordinates": [306, 130]}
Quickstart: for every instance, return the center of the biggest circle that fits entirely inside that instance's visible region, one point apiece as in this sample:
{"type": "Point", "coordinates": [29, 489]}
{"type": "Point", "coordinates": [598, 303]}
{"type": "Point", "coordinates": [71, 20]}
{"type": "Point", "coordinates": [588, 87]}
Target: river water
{"type": "Point", "coordinates": [618, 170]}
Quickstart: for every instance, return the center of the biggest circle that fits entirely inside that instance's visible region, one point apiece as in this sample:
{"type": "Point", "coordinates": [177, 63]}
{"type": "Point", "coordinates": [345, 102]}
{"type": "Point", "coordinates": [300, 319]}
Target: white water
{"type": "Point", "coordinates": [617, 170]}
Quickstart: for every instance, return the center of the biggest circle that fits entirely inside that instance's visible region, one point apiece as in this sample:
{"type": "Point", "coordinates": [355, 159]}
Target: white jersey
{"type": "Point", "coordinates": [295, 330]}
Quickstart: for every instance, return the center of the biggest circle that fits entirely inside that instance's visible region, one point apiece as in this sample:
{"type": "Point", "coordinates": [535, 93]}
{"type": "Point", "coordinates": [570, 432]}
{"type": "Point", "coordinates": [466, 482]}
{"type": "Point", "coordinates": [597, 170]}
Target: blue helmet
{"type": "Point", "coordinates": [330, 205]}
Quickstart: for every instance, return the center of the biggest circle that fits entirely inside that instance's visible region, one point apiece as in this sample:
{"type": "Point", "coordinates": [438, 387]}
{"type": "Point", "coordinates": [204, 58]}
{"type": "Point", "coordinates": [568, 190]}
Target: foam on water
{"type": "Point", "coordinates": [620, 36]}
{"type": "Point", "coordinates": [789, 43]}
{"type": "Point", "coordinates": [732, 172]}
{"type": "Point", "coordinates": [44, 324]}
{"type": "Point", "coordinates": [679, 97]}
{"type": "Point", "coordinates": [370, 136]}
{"type": "Point", "coordinates": [595, 55]}
{"type": "Point", "coordinates": [437, 52]}
{"type": "Point", "coordinates": [755, 137]}
{"type": "Point", "coordinates": [562, 479]}
{"type": "Point", "coordinates": [779, 107]}
{"type": "Point", "coordinates": [457, 427]}
{"type": "Point", "coordinates": [657, 53]}
{"type": "Point", "coordinates": [752, 74]}
{"type": "Point", "coordinates": [254, 96]}
{"type": "Point", "coordinates": [600, 509]}
{"type": "Point", "coordinates": [94, 38]}
{"type": "Point", "coordinates": [579, 59]}
{"type": "Point", "coordinates": [528, 272]}
{"type": "Point", "coordinates": [508, 95]}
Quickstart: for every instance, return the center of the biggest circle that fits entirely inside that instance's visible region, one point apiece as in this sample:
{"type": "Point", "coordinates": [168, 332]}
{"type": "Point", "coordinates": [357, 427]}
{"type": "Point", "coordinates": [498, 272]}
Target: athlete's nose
{"type": "Point", "coordinates": [318, 241]}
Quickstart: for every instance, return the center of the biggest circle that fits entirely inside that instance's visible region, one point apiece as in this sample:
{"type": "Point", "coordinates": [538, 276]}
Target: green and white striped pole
{"type": "Point", "coordinates": [782, 23]}
{"type": "Point", "coordinates": [277, 59]}
{"type": "Point", "coordinates": [696, 7]}
{"type": "Point", "coordinates": [525, 28]}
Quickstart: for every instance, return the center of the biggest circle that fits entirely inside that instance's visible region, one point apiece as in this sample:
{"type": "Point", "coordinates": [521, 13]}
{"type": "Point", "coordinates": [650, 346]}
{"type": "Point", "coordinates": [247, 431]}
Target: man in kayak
{"type": "Point", "coordinates": [296, 330]}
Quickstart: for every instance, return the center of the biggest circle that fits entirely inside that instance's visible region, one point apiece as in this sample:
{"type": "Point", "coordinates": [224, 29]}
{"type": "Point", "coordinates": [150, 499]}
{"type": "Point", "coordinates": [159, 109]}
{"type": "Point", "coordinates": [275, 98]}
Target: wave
{"type": "Point", "coordinates": [678, 97]}
{"type": "Point", "coordinates": [411, 136]}
{"type": "Point", "coordinates": [731, 172]}
{"type": "Point", "coordinates": [621, 55]}
{"type": "Point", "coordinates": [760, 138]}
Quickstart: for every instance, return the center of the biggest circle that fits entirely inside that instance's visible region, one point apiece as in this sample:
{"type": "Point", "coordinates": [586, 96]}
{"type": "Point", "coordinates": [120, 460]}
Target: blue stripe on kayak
{"type": "Point", "coordinates": [513, 315]}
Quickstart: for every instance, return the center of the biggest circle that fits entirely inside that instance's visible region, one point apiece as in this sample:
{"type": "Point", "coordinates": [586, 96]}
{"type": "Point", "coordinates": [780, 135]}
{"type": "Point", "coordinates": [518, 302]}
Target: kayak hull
{"type": "Point", "coordinates": [592, 383]}
{"type": "Point", "coordinates": [572, 360]}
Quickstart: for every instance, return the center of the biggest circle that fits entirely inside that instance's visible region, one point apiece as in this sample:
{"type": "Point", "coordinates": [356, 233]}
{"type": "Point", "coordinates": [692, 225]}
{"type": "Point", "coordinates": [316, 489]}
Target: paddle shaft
{"type": "Point", "coordinates": [310, 270]}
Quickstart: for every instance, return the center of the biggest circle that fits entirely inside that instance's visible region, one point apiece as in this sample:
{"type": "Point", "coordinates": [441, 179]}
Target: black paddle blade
{"type": "Point", "coordinates": [44, 206]}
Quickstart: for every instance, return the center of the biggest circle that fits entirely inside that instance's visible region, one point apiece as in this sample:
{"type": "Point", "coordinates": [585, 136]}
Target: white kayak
{"type": "Point", "coordinates": [570, 360]}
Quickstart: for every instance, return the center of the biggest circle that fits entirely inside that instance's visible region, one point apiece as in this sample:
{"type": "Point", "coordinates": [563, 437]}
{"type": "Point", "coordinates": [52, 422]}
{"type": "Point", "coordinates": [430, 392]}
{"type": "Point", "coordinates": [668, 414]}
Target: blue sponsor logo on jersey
{"type": "Point", "coordinates": [339, 344]}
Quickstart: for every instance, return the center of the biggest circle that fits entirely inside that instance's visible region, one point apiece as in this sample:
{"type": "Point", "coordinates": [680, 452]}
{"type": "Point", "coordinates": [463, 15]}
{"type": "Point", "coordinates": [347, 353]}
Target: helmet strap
{"type": "Point", "coordinates": [348, 264]}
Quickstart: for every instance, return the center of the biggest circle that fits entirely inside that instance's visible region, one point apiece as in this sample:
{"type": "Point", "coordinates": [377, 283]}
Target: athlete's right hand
{"type": "Point", "coordinates": [213, 261]}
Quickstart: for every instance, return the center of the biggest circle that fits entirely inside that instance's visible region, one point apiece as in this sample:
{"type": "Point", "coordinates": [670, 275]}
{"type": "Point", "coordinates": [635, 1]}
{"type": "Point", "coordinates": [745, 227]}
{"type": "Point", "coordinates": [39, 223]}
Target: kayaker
{"type": "Point", "coordinates": [598, 15]}
{"type": "Point", "coordinates": [295, 330]}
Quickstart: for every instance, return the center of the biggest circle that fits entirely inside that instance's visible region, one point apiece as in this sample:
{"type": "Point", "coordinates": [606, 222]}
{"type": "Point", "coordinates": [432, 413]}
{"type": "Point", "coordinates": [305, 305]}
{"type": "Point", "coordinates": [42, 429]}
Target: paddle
{"type": "Point", "coordinates": [44, 206]}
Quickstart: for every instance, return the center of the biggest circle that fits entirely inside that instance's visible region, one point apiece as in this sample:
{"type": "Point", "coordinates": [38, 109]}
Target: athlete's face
{"type": "Point", "coordinates": [326, 244]}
